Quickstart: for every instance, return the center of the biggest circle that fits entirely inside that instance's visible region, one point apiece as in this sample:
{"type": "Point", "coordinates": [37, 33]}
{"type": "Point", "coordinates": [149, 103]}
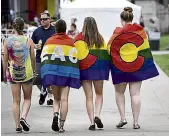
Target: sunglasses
{"type": "Point", "coordinates": [44, 19]}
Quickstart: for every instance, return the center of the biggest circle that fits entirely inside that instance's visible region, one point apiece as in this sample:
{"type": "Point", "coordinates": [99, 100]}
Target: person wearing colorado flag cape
{"type": "Point", "coordinates": [60, 70]}
{"type": "Point", "coordinates": [94, 67]}
{"type": "Point", "coordinates": [131, 63]}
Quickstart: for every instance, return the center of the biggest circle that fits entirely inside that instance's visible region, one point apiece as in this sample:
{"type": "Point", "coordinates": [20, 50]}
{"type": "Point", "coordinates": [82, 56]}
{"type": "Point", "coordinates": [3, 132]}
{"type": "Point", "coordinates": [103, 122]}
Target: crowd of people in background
{"type": "Point", "coordinates": [73, 59]}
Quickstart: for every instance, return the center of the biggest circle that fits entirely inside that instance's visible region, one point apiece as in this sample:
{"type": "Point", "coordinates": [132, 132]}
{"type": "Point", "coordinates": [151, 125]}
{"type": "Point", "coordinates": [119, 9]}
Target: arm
{"type": "Point", "coordinates": [32, 54]}
{"type": "Point", "coordinates": [5, 61]}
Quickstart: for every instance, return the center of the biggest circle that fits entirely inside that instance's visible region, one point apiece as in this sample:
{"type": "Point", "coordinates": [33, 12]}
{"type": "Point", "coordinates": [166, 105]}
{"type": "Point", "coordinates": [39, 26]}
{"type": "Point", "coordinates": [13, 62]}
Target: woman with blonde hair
{"type": "Point", "coordinates": [132, 62]}
{"type": "Point", "coordinates": [19, 52]}
{"type": "Point", "coordinates": [94, 67]}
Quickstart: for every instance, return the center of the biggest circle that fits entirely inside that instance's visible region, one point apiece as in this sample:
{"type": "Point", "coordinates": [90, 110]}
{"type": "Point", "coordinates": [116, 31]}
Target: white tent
{"type": "Point", "coordinates": [106, 13]}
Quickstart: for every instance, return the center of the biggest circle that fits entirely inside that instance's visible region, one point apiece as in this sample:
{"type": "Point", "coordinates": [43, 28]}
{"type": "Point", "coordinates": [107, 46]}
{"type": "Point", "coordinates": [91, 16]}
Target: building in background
{"type": "Point", "coordinates": [155, 13]}
{"type": "Point", "coordinates": [5, 11]}
{"type": "Point", "coordinates": [27, 9]}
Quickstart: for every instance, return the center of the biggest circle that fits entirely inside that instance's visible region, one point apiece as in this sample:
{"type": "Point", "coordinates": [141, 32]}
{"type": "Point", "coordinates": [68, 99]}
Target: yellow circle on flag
{"type": "Point", "coordinates": [82, 49]}
{"type": "Point", "coordinates": [129, 52]}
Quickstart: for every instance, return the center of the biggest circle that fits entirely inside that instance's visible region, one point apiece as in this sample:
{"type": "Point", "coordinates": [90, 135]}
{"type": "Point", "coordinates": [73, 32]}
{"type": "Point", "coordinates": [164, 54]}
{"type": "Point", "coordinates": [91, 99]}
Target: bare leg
{"type": "Point", "coordinates": [120, 98]}
{"type": "Point", "coordinates": [57, 98]}
{"type": "Point", "coordinates": [98, 85]}
{"type": "Point", "coordinates": [134, 88]}
{"type": "Point", "coordinates": [16, 92]}
{"type": "Point", "coordinates": [56, 105]}
{"type": "Point", "coordinates": [64, 104]}
{"type": "Point", "coordinates": [27, 90]}
{"type": "Point", "coordinates": [87, 86]}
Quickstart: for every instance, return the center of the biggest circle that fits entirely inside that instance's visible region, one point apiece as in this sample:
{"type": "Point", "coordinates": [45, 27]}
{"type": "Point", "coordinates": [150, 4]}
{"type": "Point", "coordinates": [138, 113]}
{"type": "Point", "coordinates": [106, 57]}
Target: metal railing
{"type": "Point", "coordinates": [8, 32]}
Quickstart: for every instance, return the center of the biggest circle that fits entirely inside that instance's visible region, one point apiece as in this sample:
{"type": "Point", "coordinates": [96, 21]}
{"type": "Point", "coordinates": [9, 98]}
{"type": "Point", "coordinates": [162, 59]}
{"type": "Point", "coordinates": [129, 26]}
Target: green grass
{"type": "Point", "coordinates": [163, 62]}
{"type": "Point", "coordinates": [164, 42]}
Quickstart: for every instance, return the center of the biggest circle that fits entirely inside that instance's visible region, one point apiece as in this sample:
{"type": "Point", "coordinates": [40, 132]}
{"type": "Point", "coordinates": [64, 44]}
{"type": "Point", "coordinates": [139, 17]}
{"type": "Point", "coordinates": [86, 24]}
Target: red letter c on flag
{"type": "Point", "coordinates": [119, 42]}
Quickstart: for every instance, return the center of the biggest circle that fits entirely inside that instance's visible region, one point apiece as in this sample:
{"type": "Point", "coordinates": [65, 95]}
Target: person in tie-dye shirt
{"type": "Point", "coordinates": [19, 52]}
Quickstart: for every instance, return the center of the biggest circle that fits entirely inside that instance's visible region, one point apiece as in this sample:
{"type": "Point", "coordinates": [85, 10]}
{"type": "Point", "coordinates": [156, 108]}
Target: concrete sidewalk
{"type": "Point", "coordinates": [160, 52]}
{"type": "Point", "coordinates": [154, 117]}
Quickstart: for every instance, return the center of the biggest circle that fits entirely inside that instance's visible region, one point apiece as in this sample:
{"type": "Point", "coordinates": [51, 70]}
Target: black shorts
{"type": "Point", "coordinates": [27, 82]}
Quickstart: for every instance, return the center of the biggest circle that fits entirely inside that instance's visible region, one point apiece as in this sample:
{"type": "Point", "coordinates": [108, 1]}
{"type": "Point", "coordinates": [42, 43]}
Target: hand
{"type": "Point", "coordinates": [38, 46]}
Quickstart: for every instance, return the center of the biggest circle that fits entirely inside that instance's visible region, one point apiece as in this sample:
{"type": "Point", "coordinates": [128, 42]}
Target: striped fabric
{"type": "Point", "coordinates": [59, 63]}
{"type": "Point", "coordinates": [94, 62]}
{"type": "Point", "coordinates": [131, 55]}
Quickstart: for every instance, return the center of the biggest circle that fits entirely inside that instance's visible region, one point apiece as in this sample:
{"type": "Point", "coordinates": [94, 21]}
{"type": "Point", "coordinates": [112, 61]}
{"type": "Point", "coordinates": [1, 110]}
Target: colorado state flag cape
{"type": "Point", "coordinates": [131, 55]}
{"type": "Point", "coordinates": [93, 62]}
{"type": "Point", "coordinates": [59, 63]}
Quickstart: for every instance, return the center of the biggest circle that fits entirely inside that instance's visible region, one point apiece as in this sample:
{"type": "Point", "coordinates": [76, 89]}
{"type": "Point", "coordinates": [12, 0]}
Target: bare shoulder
{"type": "Point", "coordinates": [5, 43]}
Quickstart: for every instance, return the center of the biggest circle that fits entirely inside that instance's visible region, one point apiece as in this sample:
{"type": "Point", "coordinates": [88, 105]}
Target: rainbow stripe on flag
{"type": "Point", "coordinates": [59, 63]}
{"type": "Point", "coordinates": [94, 62]}
{"type": "Point", "coordinates": [131, 55]}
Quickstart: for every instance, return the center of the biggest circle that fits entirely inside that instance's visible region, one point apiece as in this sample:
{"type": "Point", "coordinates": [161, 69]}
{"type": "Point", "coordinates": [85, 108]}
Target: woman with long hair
{"type": "Point", "coordinates": [19, 52]}
{"type": "Point", "coordinates": [94, 67]}
{"type": "Point", "coordinates": [132, 62]}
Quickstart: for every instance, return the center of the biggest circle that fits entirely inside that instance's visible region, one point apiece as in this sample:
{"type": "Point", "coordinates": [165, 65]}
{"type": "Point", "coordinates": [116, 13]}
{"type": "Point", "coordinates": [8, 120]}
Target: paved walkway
{"type": "Point", "coordinates": [154, 117]}
{"type": "Point", "coordinates": [160, 52]}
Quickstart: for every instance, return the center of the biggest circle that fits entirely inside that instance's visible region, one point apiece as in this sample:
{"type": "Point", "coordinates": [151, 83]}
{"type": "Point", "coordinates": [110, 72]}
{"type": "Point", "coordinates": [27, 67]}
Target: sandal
{"type": "Point", "coordinates": [61, 130]}
{"type": "Point", "coordinates": [136, 126]}
{"type": "Point", "coordinates": [121, 124]}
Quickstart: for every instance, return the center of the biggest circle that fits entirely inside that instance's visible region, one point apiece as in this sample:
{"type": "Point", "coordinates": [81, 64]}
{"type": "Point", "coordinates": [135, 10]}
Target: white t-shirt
{"type": "Point", "coordinates": [30, 31]}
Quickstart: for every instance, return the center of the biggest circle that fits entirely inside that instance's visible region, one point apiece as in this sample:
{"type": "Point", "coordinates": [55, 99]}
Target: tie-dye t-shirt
{"type": "Point", "coordinates": [20, 68]}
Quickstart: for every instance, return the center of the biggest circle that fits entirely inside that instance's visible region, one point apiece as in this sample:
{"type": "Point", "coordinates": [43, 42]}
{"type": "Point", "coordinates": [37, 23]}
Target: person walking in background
{"type": "Point", "coordinates": [39, 37]}
{"type": "Point", "coordinates": [73, 32]}
{"type": "Point", "coordinates": [132, 62]}
{"type": "Point", "coordinates": [31, 28]}
{"type": "Point", "coordinates": [60, 70]}
{"type": "Point", "coordinates": [142, 21]}
{"type": "Point", "coordinates": [94, 67]}
{"type": "Point", "coordinates": [19, 51]}
{"type": "Point", "coordinates": [36, 20]}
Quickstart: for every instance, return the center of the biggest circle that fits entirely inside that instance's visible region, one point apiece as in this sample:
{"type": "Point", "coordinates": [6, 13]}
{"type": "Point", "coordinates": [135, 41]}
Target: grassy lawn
{"type": "Point", "coordinates": [164, 42]}
{"type": "Point", "coordinates": [163, 62]}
